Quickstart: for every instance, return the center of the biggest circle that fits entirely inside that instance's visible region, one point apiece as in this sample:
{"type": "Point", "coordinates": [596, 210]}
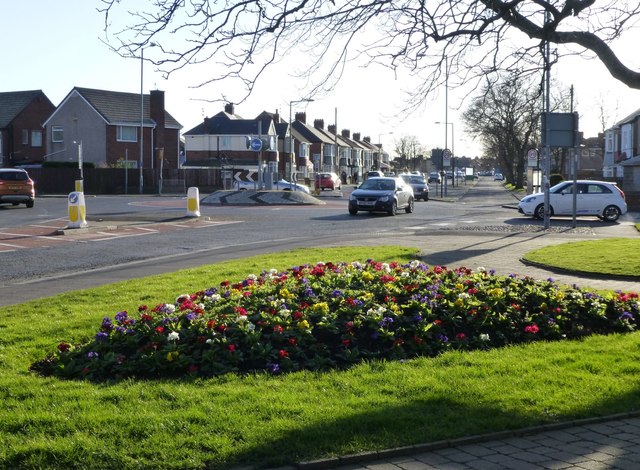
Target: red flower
{"type": "Point", "coordinates": [225, 283]}
{"type": "Point", "coordinates": [533, 329]}
{"type": "Point", "coordinates": [231, 347]}
{"type": "Point", "coordinates": [159, 329]}
{"type": "Point", "coordinates": [293, 341]}
{"type": "Point", "coordinates": [64, 347]}
{"type": "Point", "coordinates": [246, 294]}
{"type": "Point", "coordinates": [240, 310]}
{"type": "Point", "coordinates": [282, 353]}
{"type": "Point", "coordinates": [142, 308]}
{"type": "Point", "coordinates": [346, 342]}
{"type": "Point", "coordinates": [418, 340]}
{"type": "Point", "coordinates": [211, 324]}
{"type": "Point", "coordinates": [193, 369]}
{"type": "Point", "coordinates": [297, 315]}
{"type": "Point", "coordinates": [461, 336]}
{"type": "Point", "coordinates": [386, 278]}
{"type": "Point", "coordinates": [278, 329]}
{"type": "Point", "coordinates": [472, 291]}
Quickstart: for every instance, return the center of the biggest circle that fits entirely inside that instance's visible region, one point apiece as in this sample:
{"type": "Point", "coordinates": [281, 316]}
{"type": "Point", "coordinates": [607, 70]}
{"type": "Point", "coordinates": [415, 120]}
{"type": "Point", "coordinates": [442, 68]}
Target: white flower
{"type": "Point", "coordinates": [252, 277]}
{"type": "Point", "coordinates": [251, 327]}
{"type": "Point", "coordinates": [214, 297]}
{"type": "Point", "coordinates": [481, 269]}
{"type": "Point", "coordinates": [273, 272]}
{"type": "Point", "coordinates": [484, 337]}
{"type": "Point", "coordinates": [386, 268]}
{"type": "Point", "coordinates": [209, 341]}
{"type": "Point", "coordinates": [404, 274]}
{"type": "Point", "coordinates": [242, 318]}
{"type": "Point", "coordinates": [356, 265]}
{"type": "Point", "coordinates": [173, 336]}
{"type": "Point", "coordinates": [169, 308]}
{"type": "Point", "coordinates": [414, 264]}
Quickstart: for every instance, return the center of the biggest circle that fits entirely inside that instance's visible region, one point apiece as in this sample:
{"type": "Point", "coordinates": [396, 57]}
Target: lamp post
{"type": "Point", "coordinates": [380, 143]}
{"type": "Point", "coordinates": [141, 182]}
{"type": "Point", "coordinates": [446, 124]}
{"type": "Point", "coordinates": [291, 150]}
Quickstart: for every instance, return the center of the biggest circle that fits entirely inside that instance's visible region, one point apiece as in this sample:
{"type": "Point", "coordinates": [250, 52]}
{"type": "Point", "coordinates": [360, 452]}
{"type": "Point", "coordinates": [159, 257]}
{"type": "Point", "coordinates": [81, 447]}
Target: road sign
{"type": "Point", "coordinates": [446, 158]}
{"type": "Point", "coordinates": [532, 158]}
{"type": "Point", "coordinates": [256, 144]}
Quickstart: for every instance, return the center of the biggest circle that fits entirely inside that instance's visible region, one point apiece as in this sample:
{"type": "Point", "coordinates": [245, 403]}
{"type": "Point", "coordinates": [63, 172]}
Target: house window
{"type": "Point", "coordinates": [36, 138]}
{"type": "Point", "coordinates": [225, 142]}
{"type": "Point", "coordinates": [127, 134]}
{"type": "Point", "coordinates": [25, 137]}
{"type": "Point", "coordinates": [57, 134]}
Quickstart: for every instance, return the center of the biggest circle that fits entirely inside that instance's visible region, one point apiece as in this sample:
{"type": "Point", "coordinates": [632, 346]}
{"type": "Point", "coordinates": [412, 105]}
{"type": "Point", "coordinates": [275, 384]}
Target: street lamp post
{"type": "Point", "coordinates": [291, 150]}
{"type": "Point", "coordinates": [380, 143]}
{"type": "Point", "coordinates": [141, 182]}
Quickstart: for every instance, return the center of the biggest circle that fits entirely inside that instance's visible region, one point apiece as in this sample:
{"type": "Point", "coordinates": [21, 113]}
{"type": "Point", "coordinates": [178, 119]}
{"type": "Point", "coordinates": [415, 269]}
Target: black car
{"type": "Point", "coordinates": [418, 184]}
{"type": "Point", "coordinates": [382, 195]}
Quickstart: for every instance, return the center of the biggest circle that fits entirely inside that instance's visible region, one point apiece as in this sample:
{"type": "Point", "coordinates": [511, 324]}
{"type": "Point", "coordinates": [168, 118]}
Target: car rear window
{"type": "Point", "coordinates": [13, 176]}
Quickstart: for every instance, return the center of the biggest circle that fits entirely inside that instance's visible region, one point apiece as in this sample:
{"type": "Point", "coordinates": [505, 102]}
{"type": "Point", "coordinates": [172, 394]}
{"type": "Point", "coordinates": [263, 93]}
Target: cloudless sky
{"type": "Point", "coordinates": [54, 46]}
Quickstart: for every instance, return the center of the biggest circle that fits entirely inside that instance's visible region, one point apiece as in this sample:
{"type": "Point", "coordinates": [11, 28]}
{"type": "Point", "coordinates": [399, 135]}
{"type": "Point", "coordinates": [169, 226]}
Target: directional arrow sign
{"type": "Point", "coordinates": [256, 144]}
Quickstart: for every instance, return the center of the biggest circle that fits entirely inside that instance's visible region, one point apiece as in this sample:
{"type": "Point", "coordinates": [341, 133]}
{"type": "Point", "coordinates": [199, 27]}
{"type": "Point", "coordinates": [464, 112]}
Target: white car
{"type": "Point", "coordinates": [596, 198]}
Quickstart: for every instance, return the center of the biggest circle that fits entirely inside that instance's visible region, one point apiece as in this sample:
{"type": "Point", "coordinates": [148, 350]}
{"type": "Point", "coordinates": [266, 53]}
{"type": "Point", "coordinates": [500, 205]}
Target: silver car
{"type": "Point", "coordinates": [382, 195]}
{"type": "Point", "coordinates": [596, 198]}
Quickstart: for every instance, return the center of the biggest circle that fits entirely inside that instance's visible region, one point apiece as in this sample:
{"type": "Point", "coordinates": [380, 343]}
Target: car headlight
{"type": "Point", "coordinates": [352, 198]}
{"type": "Point", "coordinates": [527, 199]}
{"type": "Point", "coordinates": [384, 199]}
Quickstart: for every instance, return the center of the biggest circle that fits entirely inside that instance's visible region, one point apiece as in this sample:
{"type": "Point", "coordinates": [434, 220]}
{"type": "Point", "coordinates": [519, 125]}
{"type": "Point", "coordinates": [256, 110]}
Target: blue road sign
{"type": "Point", "coordinates": [256, 144]}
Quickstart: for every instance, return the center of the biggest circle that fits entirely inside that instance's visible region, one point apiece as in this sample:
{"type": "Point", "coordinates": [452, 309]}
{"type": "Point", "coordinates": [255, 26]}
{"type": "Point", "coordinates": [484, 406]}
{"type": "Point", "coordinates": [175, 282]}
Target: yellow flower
{"type": "Point", "coordinates": [367, 276]}
{"type": "Point", "coordinates": [171, 355]}
{"type": "Point", "coordinates": [286, 294]}
{"type": "Point", "coordinates": [321, 307]}
{"type": "Point", "coordinates": [303, 325]}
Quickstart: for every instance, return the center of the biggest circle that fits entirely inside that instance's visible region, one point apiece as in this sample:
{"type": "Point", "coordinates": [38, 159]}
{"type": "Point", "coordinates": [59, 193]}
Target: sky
{"type": "Point", "coordinates": [60, 47]}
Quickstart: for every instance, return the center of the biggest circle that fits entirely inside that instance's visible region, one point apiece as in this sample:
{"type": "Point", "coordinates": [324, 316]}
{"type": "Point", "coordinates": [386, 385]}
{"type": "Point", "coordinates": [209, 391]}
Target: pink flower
{"type": "Point", "coordinates": [533, 329]}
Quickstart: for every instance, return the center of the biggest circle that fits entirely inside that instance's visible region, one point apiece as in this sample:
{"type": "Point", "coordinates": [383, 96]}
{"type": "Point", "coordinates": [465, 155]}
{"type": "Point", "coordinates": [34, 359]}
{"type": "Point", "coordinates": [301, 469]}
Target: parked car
{"type": "Point", "coordinates": [382, 194]}
{"type": "Point", "coordinates": [328, 181]}
{"type": "Point", "coordinates": [418, 184]}
{"type": "Point", "coordinates": [498, 177]}
{"type": "Point", "coordinates": [434, 177]}
{"type": "Point", "coordinates": [16, 187]}
{"type": "Point", "coordinates": [282, 185]}
{"type": "Point", "coordinates": [374, 174]}
{"type": "Point", "coordinates": [597, 198]}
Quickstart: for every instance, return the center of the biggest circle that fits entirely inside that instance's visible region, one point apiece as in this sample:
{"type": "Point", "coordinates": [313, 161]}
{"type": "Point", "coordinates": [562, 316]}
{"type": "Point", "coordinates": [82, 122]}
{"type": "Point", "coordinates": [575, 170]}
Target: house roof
{"type": "Point", "coordinates": [13, 102]}
{"type": "Point", "coordinates": [117, 107]}
{"type": "Point", "coordinates": [224, 123]}
{"type": "Point", "coordinates": [628, 119]}
{"type": "Point", "coordinates": [310, 133]}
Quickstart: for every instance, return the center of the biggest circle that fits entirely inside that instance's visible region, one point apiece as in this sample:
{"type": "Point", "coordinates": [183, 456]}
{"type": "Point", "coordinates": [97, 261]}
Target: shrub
{"type": "Point", "coordinates": [334, 315]}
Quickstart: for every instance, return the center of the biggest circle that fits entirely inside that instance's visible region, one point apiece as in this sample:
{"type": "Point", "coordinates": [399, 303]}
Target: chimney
{"type": "Point", "coordinates": [346, 133]}
{"type": "Point", "coordinates": [318, 123]}
{"type": "Point", "coordinates": [228, 108]}
{"type": "Point", "coordinates": [332, 128]}
{"type": "Point", "coordinates": [302, 117]}
{"type": "Point", "coordinates": [367, 139]}
{"type": "Point", "coordinates": [276, 117]}
{"type": "Point", "coordinates": [156, 109]}
{"type": "Point", "coordinates": [356, 136]}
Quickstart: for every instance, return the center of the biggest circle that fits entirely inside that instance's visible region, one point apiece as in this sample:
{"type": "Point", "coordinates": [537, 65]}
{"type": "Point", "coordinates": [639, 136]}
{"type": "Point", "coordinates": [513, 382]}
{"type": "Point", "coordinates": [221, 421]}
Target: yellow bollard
{"type": "Point", "coordinates": [193, 202]}
{"type": "Point", "coordinates": [79, 186]}
{"type": "Point", "coordinates": [77, 210]}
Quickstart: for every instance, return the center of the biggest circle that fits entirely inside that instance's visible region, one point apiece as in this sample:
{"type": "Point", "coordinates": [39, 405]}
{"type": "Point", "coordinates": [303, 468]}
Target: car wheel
{"type": "Point", "coordinates": [426, 198]}
{"type": "Point", "coordinates": [610, 213]}
{"type": "Point", "coordinates": [410, 206]}
{"type": "Point", "coordinates": [394, 208]}
{"type": "Point", "coordinates": [539, 212]}
{"type": "Point", "coordinates": [353, 211]}
{"type": "Point", "coordinates": [30, 204]}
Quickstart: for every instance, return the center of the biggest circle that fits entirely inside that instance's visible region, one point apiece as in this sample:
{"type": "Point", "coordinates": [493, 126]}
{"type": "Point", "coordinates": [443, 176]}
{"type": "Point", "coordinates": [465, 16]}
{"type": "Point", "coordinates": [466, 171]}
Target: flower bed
{"type": "Point", "coordinates": [328, 315]}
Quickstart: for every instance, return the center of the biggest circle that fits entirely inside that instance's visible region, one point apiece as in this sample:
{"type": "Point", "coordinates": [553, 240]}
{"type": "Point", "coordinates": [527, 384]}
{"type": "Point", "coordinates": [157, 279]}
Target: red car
{"type": "Point", "coordinates": [328, 181]}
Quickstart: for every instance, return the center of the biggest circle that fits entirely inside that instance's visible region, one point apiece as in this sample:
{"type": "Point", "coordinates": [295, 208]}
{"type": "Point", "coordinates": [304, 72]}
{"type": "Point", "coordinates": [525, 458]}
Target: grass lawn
{"type": "Point", "coordinates": [619, 256]}
{"type": "Point", "coordinates": [267, 421]}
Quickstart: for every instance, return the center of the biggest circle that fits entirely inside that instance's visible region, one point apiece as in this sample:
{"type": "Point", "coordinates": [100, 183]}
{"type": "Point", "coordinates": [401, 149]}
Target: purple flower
{"type": "Point", "coordinates": [273, 368]}
{"type": "Point", "coordinates": [626, 316]}
{"type": "Point", "coordinates": [417, 318]}
{"type": "Point", "coordinates": [92, 355]}
{"type": "Point", "coordinates": [102, 336]}
{"type": "Point", "coordinates": [191, 316]}
{"type": "Point", "coordinates": [336, 293]}
{"type": "Point", "coordinates": [443, 338]}
{"type": "Point", "coordinates": [106, 324]}
{"type": "Point", "coordinates": [121, 316]}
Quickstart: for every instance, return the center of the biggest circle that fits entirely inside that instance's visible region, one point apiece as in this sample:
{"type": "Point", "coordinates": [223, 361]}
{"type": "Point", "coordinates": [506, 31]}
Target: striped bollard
{"type": "Point", "coordinates": [77, 210]}
{"type": "Point", "coordinates": [193, 202]}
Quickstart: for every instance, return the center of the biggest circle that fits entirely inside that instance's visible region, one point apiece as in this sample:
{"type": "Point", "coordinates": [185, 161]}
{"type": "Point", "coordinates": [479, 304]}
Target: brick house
{"type": "Point", "coordinates": [22, 114]}
{"type": "Point", "coordinates": [107, 124]}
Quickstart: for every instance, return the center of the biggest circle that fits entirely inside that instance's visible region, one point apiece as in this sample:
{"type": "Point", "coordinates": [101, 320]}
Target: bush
{"type": "Point", "coordinates": [555, 179]}
{"type": "Point", "coordinates": [334, 315]}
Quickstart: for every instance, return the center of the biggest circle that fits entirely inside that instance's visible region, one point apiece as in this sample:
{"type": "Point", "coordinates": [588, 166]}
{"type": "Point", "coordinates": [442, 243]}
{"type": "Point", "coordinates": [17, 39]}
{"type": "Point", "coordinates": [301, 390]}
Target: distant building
{"type": "Point", "coordinates": [22, 115]}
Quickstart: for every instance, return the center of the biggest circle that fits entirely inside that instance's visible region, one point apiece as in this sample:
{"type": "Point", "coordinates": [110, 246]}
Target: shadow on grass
{"type": "Point", "coordinates": [423, 421]}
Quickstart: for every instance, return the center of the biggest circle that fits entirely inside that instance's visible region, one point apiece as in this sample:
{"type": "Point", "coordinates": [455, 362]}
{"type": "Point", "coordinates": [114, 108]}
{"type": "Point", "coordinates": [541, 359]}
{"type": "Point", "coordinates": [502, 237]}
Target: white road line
{"type": "Point", "coordinates": [145, 229]}
{"type": "Point", "coordinates": [10, 245]}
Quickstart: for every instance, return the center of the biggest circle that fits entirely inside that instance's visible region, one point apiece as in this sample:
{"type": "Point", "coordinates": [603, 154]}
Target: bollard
{"type": "Point", "coordinates": [77, 210]}
{"type": "Point", "coordinates": [79, 186]}
{"type": "Point", "coordinates": [193, 202]}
